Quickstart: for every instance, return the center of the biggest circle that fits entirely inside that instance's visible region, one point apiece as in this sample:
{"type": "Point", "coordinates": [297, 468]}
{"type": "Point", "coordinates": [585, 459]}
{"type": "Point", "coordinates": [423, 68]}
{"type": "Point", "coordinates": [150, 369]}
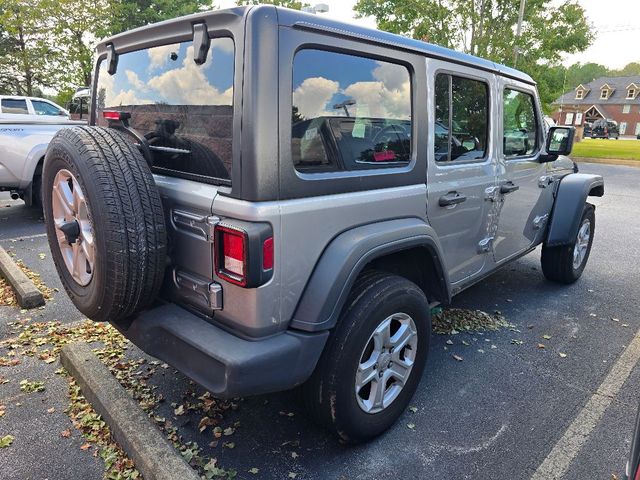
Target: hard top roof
{"type": "Point", "coordinates": [298, 19]}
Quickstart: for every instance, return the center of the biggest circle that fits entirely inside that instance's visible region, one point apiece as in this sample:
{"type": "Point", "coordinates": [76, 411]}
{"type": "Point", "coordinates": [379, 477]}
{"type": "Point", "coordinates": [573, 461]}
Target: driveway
{"type": "Point", "coordinates": [498, 414]}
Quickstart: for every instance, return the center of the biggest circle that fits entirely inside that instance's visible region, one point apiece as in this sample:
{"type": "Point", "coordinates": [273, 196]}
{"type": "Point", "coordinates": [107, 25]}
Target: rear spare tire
{"type": "Point", "coordinates": [104, 222]}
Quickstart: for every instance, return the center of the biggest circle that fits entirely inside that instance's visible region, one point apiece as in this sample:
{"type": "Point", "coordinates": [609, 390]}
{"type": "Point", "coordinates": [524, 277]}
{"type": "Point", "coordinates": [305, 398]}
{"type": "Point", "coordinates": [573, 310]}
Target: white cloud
{"type": "Point", "coordinates": [120, 97]}
{"type": "Point", "coordinates": [189, 85]}
{"type": "Point", "coordinates": [159, 56]}
{"type": "Point", "coordinates": [379, 101]}
{"type": "Point", "coordinates": [313, 94]}
{"type": "Point", "coordinates": [134, 80]}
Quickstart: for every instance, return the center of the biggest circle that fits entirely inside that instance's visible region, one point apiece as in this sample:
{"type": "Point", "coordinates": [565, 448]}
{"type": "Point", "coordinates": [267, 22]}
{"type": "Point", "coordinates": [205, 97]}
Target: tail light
{"type": "Point", "coordinates": [243, 253]}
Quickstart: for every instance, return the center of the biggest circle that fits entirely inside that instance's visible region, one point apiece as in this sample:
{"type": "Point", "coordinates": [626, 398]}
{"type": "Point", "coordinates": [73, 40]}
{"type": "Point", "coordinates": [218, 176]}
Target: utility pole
{"type": "Point", "coordinates": [518, 32]}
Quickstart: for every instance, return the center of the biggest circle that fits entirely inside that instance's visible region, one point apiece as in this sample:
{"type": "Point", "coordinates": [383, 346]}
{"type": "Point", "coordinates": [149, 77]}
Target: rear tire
{"type": "Point", "coordinates": [342, 401]}
{"type": "Point", "coordinates": [117, 206]}
{"type": "Point", "coordinates": [560, 264]}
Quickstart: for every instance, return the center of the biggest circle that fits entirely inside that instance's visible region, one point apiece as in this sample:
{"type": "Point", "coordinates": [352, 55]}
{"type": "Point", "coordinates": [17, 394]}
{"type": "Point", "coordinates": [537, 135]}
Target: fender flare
{"type": "Point", "coordinates": [346, 256]}
{"type": "Point", "coordinates": [570, 198]}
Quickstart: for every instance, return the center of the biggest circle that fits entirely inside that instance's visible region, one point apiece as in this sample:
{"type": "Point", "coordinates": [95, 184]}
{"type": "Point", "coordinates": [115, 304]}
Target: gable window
{"type": "Point", "coordinates": [579, 94]}
{"type": "Point", "coordinates": [631, 94]}
{"type": "Point", "coordinates": [568, 120]}
{"type": "Point", "coordinates": [626, 108]}
{"type": "Point", "coordinates": [604, 94]}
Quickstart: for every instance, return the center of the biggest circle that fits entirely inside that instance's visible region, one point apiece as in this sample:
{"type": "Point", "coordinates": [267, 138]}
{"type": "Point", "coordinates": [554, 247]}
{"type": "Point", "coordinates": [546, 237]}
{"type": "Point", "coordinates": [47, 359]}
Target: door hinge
{"type": "Point", "coordinates": [545, 181]}
{"type": "Point", "coordinates": [492, 193]}
{"type": "Point", "coordinates": [199, 225]}
{"type": "Point", "coordinates": [540, 221]}
{"type": "Point", "coordinates": [485, 245]}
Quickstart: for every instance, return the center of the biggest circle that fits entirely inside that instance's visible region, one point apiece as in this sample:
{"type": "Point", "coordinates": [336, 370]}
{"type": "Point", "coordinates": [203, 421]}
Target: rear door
{"type": "Point", "coordinates": [524, 186]}
{"type": "Point", "coordinates": [461, 171]}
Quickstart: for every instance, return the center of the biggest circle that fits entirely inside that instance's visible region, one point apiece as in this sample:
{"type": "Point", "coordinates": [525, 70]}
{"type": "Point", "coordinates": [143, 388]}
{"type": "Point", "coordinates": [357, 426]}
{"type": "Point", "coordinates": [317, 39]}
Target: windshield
{"type": "Point", "coordinates": [184, 110]}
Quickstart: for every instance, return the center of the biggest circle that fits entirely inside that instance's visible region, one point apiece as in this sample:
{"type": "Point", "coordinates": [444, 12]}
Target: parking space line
{"type": "Point", "coordinates": [27, 237]}
{"type": "Point", "coordinates": [556, 464]}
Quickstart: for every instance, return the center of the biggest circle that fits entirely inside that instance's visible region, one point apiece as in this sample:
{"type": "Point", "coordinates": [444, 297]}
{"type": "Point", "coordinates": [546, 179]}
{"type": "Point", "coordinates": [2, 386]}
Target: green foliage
{"type": "Point", "coordinates": [27, 56]}
{"type": "Point", "coordinates": [127, 14]}
{"type": "Point", "coordinates": [295, 4]}
{"type": "Point", "coordinates": [487, 28]}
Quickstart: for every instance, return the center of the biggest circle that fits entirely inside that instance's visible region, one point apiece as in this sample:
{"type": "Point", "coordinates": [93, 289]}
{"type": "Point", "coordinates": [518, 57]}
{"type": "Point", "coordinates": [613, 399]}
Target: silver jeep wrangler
{"type": "Point", "coordinates": [266, 199]}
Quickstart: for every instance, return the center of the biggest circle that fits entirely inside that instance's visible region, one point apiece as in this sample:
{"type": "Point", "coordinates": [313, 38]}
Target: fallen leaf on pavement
{"type": "Point", "coordinates": [413, 409]}
{"type": "Point", "coordinates": [66, 433]}
{"type": "Point", "coordinates": [411, 426]}
{"type": "Point", "coordinates": [51, 410]}
{"type": "Point", "coordinates": [292, 475]}
{"type": "Point", "coordinates": [254, 470]}
{"type": "Point", "coordinates": [6, 441]}
{"type": "Point", "coordinates": [562, 355]}
{"type": "Point", "coordinates": [457, 357]}
{"type": "Point", "coordinates": [546, 337]}
{"type": "Point", "coordinates": [86, 446]}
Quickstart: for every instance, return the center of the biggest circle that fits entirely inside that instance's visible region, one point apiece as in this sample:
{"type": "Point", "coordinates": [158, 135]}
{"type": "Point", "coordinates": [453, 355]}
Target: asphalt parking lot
{"type": "Point", "coordinates": [498, 414]}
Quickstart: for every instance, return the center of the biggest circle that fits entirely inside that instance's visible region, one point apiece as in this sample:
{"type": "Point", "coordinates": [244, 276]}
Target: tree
{"type": "Point", "coordinates": [295, 4]}
{"type": "Point", "coordinates": [27, 58]}
{"type": "Point", "coordinates": [487, 28]}
{"type": "Point", "coordinates": [632, 68]}
{"type": "Point", "coordinates": [127, 14]}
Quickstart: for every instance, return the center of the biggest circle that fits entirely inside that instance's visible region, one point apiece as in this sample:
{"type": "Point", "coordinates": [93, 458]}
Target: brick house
{"type": "Point", "coordinates": [613, 98]}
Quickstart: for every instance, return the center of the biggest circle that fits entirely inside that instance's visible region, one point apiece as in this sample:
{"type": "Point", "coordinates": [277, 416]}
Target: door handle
{"type": "Point", "coordinates": [451, 198]}
{"type": "Point", "coordinates": [508, 187]}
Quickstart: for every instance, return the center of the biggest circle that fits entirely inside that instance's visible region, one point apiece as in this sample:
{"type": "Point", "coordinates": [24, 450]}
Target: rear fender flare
{"type": "Point", "coordinates": [348, 254]}
{"type": "Point", "coordinates": [570, 198]}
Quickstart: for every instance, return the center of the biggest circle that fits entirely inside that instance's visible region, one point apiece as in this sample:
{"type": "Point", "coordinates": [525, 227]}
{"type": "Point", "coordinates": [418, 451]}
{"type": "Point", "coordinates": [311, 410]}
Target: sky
{"type": "Point", "coordinates": [617, 41]}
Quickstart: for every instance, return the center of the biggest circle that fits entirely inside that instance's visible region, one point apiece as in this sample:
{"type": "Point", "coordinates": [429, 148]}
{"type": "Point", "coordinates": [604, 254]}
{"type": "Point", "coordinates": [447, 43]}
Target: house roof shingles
{"type": "Point", "coordinates": [592, 92]}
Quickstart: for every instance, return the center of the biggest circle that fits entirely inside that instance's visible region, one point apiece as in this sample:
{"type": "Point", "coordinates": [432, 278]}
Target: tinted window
{"type": "Point", "coordinates": [349, 112]}
{"type": "Point", "coordinates": [45, 108]}
{"type": "Point", "coordinates": [184, 110]}
{"type": "Point", "coordinates": [520, 126]}
{"type": "Point", "coordinates": [14, 106]}
{"type": "Point", "coordinates": [461, 118]}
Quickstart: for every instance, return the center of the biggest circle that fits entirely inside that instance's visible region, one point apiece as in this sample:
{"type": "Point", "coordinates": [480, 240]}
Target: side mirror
{"type": "Point", "coordinates": [559, 142]}
{"type": "Point", "coordinates": [633, 464]}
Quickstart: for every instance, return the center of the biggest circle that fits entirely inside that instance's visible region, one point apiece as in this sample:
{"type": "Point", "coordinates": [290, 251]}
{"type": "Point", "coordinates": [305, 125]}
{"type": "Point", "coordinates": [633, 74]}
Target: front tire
{"type": "Point", "coordinates": [565, 264]}
{"type": "Point", "coordinates": [374, 358]}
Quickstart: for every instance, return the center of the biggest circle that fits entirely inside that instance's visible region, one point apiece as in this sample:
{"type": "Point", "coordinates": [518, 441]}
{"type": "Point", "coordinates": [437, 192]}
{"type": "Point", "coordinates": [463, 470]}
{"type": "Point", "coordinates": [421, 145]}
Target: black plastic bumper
{"type": "Point", "coordinates": [226, 365]}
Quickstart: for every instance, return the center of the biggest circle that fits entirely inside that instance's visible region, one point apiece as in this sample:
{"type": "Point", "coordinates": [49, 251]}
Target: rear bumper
{"type": "Point", "coordinates": [226, 365]}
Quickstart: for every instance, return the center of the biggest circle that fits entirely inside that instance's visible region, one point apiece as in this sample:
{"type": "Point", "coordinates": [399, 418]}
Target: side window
{"type": "Point", "coordinates": [12, 105]}
{"type": "Point", "coordinates": [44, 108]}
{"type": "Point", "coordinates": [520, 136]}
{"type": "Point", "coordinates": [349, 112]}
{"type": "Point", "coordinates": [461, 118]}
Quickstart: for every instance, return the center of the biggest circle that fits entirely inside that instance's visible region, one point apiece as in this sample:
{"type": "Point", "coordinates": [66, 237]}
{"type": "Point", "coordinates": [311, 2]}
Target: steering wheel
{"type": "Point", "coordinates": [390, 133]}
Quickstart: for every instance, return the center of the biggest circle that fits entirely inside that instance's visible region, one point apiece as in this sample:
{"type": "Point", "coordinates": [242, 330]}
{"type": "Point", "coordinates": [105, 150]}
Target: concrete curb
{"type": "Point", "coordinates": [152, 454]}
{"type": "Point", "coordinates": [26, 292]}
{"type": "Point", "coordinates": [608, 161]}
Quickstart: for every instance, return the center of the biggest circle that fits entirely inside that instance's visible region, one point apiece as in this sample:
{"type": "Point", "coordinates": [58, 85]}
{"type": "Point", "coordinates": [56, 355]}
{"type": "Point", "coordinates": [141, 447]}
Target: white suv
{"type": "Point", "coordinates": [32, 109]}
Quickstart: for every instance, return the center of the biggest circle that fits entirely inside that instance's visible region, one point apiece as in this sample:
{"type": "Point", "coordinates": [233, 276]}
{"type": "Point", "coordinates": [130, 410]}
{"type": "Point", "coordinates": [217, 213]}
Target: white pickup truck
{"type": "Point", "coordinates": [22, 148]}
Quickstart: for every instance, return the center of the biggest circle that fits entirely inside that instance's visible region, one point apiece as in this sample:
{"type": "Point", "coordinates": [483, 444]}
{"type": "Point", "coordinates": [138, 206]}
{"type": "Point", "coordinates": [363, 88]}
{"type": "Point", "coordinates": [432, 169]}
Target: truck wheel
{"type": "Point", "coordinates": [374, 358]}
{"type": "Point", "coordinates": [104, 222]}
{"type": "Point", "coordinates": [565, 264]}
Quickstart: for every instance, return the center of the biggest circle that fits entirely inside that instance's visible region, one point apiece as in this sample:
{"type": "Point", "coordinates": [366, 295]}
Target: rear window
{"type": "Point", "coordinates": [349, 112]}
{"type": "Point", "coordinates": [184, 110]}
{"type": "Point", "coordinates": [12, 105]}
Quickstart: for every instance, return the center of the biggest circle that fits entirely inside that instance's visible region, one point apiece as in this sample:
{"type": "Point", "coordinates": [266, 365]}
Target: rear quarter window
{"type": "Point", "coordinates": [12, 105]}
{"type": "Point", "coordinates": [349, 112]}
{"type": "Point", "coordinates": [184, 110]}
